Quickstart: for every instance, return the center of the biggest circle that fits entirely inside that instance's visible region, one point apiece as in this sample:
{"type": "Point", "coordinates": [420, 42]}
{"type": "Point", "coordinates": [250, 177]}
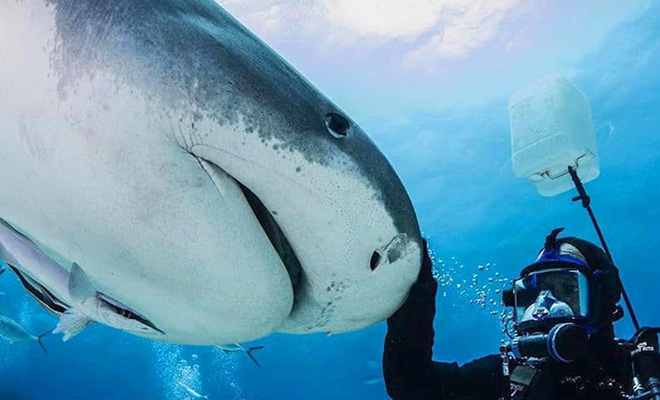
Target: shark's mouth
{"type": "Point", "coordinates": [270, 227]}
{"type": "Point", "coordinates": [276, 237]}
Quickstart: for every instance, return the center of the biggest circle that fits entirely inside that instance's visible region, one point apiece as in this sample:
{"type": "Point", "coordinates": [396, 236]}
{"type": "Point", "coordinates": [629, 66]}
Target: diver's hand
{"type": "Point", "coordinates": [425, 276]}
{"type": "Point", "coordinates": [410, 333]}
{"type": "Point", "coordinates": [421, 298]}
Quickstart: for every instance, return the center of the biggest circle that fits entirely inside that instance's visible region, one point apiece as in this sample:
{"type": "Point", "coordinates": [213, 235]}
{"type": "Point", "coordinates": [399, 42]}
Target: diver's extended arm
{"type": "Point", "coordinates": [410, 373]}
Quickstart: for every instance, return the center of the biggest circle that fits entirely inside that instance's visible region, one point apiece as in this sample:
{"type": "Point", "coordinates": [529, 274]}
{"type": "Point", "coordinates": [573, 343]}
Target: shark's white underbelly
{"type": "Point", "coordinates": [141, 217]}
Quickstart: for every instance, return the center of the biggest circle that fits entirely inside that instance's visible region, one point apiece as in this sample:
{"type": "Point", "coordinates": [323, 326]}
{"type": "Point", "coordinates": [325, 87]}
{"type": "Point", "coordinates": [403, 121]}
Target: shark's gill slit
{"type": "Point", "coordinates": [276, 237]}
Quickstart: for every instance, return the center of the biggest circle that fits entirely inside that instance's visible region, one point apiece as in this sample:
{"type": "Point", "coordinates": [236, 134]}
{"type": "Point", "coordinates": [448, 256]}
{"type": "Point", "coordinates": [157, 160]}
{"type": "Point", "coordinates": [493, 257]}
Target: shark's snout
{"type": "Point", "coordinates": [391, 252]}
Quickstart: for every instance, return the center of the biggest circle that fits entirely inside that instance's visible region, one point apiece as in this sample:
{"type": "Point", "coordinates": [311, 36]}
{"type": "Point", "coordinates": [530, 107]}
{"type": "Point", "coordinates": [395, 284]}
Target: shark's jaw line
{"type": "Point", "coordinates": [269, 225]}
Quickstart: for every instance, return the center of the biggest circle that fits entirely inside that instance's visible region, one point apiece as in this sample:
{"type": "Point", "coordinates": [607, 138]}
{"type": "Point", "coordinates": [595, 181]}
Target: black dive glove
{"type": "Point", "coordinates": [415, 316]}
{"type": "Point", "coordinates": [423, 291]}
{"type": "Point", "coordinates": [425, 277]}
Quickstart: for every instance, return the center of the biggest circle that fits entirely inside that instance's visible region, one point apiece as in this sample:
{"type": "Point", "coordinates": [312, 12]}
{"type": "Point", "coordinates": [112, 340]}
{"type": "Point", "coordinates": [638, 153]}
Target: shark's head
{"type": "Point", "coordinates": [234, 199]}
{"type": "Point", "coordinates": [329, 201]}
{"type": "Point", "coordinates": [338, 216]}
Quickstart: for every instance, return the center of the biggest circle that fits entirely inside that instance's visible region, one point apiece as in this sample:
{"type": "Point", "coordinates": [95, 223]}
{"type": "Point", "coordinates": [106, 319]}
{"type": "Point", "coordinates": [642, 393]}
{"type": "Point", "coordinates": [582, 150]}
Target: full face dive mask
{"type": "Point", "coordinates": [556, 288]}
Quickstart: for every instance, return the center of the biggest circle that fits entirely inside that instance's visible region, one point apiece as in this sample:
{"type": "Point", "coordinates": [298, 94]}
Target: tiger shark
{"type": "Point", "coordinates": [199, 180]}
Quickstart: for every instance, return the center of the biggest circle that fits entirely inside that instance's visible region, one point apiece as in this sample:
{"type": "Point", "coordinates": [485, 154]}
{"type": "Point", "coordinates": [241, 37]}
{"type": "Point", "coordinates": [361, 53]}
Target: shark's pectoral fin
{"type": "Point", "coordinates": [80, 287]}
{"type": "Point", "coordinates": [72, 322]}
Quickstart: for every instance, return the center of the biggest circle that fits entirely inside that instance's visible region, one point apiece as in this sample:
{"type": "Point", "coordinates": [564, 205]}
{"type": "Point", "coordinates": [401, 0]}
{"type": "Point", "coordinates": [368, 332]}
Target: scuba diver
{"type": "Point", "coordinates": [564, 304]}
{"type": "Point", "coordinates": [564, 307]}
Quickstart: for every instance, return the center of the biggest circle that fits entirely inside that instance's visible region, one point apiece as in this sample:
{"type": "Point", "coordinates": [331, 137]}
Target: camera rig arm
{"type": "Point", "coordinates": [586, 203]}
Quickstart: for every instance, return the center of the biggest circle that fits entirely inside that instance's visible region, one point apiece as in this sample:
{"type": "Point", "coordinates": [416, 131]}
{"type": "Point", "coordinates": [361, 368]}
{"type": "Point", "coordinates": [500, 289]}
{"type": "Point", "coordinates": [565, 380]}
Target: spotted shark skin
{"type": "Point", "coordinates": [134, 134]}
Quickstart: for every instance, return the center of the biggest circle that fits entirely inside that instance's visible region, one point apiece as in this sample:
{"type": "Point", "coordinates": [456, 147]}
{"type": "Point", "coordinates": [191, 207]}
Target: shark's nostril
{"type": "Point", "coordinates": [391, 252]}
{"type": "Point", "coordinates": [337, 124]}
{"type": "Point", "coordinates": [375, 260]}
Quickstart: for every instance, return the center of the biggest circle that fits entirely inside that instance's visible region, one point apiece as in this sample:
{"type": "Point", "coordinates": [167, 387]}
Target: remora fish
{"type": "Point", "coordinates": [236, 347]}
{"type": "Point", "coordinates": [192, 392]}
{"type": "Point", "coordinates": [371, 380]}
{"type": "Point", "coordinates": [90, 305]}
{"type": "Point", "coordinates": [68, 294]}
{"type": "Point", "coordinates": [13, 332]}
{"type": "Point", "coordinates": [170, 152]}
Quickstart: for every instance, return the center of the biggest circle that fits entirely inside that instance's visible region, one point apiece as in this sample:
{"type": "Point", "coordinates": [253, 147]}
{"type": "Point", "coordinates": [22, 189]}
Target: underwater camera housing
{"type": "Point", "coordinates": [551, 129]}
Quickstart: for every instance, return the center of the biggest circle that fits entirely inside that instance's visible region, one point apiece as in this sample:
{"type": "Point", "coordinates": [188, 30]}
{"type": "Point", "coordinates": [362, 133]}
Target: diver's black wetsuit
{"type": "Point", "coordinates": [410, 373]}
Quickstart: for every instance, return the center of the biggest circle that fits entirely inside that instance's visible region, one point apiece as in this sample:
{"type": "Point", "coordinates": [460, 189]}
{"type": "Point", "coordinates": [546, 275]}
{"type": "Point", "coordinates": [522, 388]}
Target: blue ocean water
{"type": "Point", "coordinates": [479, 219]}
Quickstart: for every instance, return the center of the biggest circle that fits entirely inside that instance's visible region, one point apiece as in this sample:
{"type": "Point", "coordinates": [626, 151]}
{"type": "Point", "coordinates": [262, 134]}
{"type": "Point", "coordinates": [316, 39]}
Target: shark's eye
{"type": "Point", "coordinates": [337, 125]}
